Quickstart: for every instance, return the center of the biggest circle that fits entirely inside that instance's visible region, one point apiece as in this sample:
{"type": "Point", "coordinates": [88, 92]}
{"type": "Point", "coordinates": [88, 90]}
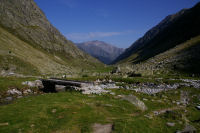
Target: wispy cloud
{"type": "Point", "coordinates": [69, 3]}
{"type": "Point", "coordinates": [92, 35]}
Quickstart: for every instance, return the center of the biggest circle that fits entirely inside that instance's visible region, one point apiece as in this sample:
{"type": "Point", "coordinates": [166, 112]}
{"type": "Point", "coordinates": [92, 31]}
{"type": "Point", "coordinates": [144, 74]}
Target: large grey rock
{"type": "Point", "coordinates": [8, 99]}
{"type": "Point", "coordinates": [134, 100]}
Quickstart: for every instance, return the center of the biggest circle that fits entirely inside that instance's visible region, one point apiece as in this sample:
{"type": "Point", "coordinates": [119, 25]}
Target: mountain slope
{"type": "Point", "coordinates": [21, 57]}
{"type": "Point", "coordinates": [173, 30]}
{"type": "Point", "coordinates": [182, 59]}
{"type": "Point", "coordinates": [106, 53]}
{"type": "Point", "coordinates": [23, 24]}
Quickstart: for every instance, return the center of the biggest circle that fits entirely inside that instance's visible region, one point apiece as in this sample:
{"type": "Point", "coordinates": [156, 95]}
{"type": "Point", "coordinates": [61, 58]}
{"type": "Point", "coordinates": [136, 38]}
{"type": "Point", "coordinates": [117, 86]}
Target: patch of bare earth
{"type": "Point", "coordinates": [99, 128]}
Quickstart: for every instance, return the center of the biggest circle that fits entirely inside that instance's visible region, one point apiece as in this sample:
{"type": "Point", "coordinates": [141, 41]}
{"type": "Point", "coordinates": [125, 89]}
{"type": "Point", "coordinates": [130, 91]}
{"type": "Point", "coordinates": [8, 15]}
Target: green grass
{"type": "Point", "coordinates": [13, 63]}
{"type": "Point", "coordinates": [77, 113]}
{"type": "Point", "coordinates": [74, 111]}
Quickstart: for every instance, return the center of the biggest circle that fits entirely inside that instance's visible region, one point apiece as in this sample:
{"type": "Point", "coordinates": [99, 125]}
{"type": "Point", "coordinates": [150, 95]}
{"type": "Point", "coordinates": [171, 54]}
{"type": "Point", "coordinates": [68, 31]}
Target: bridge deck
{"type": "Point", "coordinates": [64, 82]}
{"type": "Point", "coordinates": [49, 84]}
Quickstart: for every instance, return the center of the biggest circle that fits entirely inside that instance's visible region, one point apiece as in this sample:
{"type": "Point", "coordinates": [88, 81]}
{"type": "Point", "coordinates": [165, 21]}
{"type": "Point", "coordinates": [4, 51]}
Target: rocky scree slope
{"type": "Point", "coordinates": [173, 30]}
{"type": "Point", "coordinates": [23, 24]}
{"type": "Point", "coordinates": [104, 52]}
{"type": "Point", "coordinates": [182, 59]}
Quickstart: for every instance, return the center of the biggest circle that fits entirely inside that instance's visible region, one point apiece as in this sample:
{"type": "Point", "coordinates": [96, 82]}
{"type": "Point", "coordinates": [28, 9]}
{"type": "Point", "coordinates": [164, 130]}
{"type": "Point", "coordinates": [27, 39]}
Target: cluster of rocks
{"type": "Point", "coordinates": [103, 86]}
{"type": "Point", "coordinates": [94, 88]}
{"type": "Point", "coordinates": [36, 83]}
{"type": "Point", "coordinates": [100, 87]}
{"type": "Point", "coordinates": [91, 89]}
{"type": "Point", "coordinates": [151, 88]}
{"type": "Point", "coordinates": [97, 87]}
{"type": "Point", "coordinates": [15, 93]}
{"type": "Point", "coordinates": [190, 82]}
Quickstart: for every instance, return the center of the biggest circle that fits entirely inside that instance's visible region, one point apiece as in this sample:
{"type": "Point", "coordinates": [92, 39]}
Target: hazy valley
{"type": "Point", "coordinates": [104, 52]}
{"type": "Point", "coordinates": [50, 84]}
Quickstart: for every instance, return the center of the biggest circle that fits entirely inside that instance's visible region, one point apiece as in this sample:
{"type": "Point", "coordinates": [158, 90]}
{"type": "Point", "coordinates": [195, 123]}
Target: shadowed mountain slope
{"type": "Point", "coordinates": [173, 30]}
{"type": "Point", "coordinates": [182, 59]}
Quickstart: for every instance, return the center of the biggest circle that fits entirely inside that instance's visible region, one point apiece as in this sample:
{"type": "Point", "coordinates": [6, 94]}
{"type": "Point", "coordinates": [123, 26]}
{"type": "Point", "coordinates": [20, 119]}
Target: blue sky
{"type": "Point", "coordinates": [118, 22]}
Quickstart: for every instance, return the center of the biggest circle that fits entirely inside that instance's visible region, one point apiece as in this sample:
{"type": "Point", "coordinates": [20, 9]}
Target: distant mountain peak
{"type": "Point", "coordinates": [103, 51]}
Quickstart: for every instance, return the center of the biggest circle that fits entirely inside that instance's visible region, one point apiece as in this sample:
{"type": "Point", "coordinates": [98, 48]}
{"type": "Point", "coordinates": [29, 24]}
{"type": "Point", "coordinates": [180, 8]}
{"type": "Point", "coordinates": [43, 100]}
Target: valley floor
{"type": "Point", "coordinates": [118, 111]}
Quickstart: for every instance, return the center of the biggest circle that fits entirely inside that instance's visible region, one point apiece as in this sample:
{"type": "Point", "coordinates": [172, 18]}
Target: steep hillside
{"type": "Point", "coordinates": [182, 59]}
{"type": "Point", "coordinates": [106, 53]}
{"type": "Point", "coordinates": [28, 36]}
{"type": "Point", "coordinates": [173, 30]}
{"type": "Point", "coordinates": [20, 57]}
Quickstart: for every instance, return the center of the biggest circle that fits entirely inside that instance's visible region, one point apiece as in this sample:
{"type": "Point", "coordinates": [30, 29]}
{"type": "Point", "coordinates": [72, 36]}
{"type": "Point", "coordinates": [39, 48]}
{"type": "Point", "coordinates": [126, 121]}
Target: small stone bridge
{"type": "Point", "coordinates": [49, 84]}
